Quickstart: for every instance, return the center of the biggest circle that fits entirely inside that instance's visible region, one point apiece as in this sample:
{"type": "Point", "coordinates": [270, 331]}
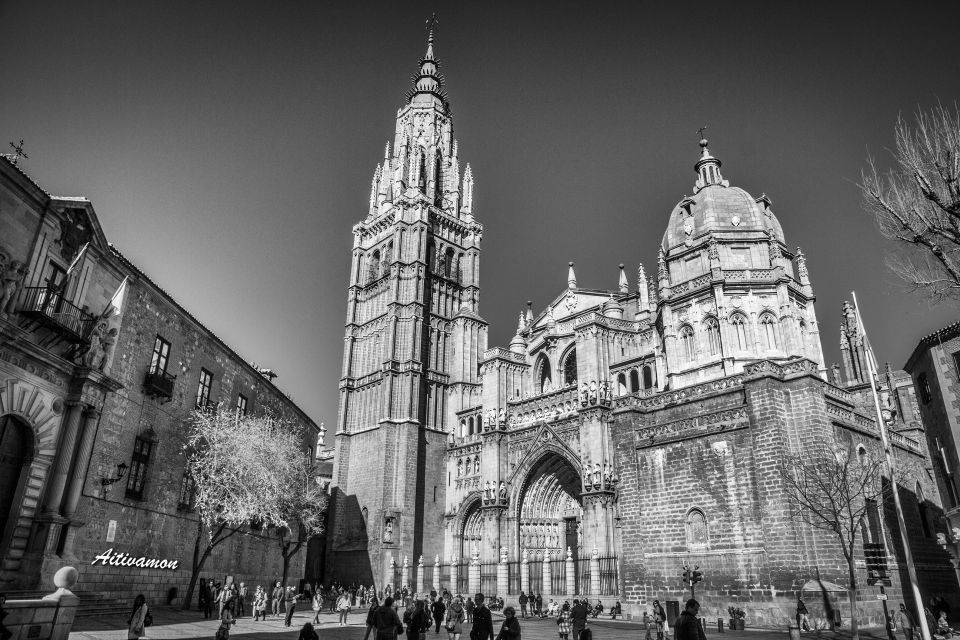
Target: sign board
{"type": "Point", "coordinates": [881, 596]}
{"type": "Point", "coordinates": [112, 531]}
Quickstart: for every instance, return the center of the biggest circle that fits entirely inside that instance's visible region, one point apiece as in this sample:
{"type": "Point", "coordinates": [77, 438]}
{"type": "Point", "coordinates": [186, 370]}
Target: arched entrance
{"type": "Point", "coordinates": [550, 510]}
{"type": "Point", "coordinates": [472, 532]}
{"type": "Point", "coordinates": [16, 451]}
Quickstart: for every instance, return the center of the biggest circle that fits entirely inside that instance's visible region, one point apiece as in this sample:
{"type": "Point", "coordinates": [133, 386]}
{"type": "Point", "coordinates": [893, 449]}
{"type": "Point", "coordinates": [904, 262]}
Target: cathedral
{"type": "Point", "coordinates": [620, 435]}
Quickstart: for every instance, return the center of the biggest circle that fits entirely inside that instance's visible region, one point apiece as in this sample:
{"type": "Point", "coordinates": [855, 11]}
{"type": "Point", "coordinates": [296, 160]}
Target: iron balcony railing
{"type": "Point", "coordinates": [159, 383]}
{"type": "Point", "coordinates": [49, 308]}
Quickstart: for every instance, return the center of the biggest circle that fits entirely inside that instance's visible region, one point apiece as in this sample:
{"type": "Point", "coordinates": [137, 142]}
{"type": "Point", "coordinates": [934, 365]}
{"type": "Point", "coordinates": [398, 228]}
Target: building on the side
{"type": "Point", "coordinates": [934, 367]}
{"type": "Point", "coordinates": [621, 433]}
{"type": "Point", "coordinates": [99, 369]}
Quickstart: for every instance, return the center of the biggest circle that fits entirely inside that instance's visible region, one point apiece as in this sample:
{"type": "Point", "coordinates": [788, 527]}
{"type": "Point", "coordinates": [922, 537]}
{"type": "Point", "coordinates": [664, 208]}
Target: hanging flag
{"type": "Point", "coordinates": [76, 261]}
{"type": "Point", "coordinates": [115, 306]}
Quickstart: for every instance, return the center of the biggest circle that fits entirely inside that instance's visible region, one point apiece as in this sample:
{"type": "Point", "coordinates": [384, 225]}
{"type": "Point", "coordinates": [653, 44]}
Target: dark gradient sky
{"type": "Point", "coordinates": [228, 146]}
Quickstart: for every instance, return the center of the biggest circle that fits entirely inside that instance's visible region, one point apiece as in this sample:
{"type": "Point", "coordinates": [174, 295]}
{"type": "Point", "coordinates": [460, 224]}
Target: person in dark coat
{"type": "Point", "coordinates": [205, 598]}
{"type": "Point", "coordinates": [386, 621]}
{"type": "Point", "coordinates": [439, 611]}
{"type": "Point", "coordinates": [538, 605]}
{"type": "Point", "coordinates": [482, 620]}
{"type": "Point", "coordinates": [291, 602]}
{"type": "Point", "coordinates": [510, 629]}
{"type": "Point", "coordinates": [688, 627]}
{"type": "Point", "coordinates": [469, 606]}
{"type": "Point", "coordinates": [370, 622]}
{"type": "Point", "coordinates": [578, 614]}
{"type": "Point", "coordinates": [307, 632]}
{"type": "Point", "coordinates": [276, 597]}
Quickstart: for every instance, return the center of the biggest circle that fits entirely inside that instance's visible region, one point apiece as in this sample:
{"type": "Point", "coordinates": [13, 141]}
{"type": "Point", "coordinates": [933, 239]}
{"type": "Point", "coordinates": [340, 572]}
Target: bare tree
{"type": "Point", "coordinates": [833, 490]}
{"type": "Point", "coordinates": [917, 202]}
{"type": "Point", "coordinates": [304, 507]}
{"type": "Point", "coordinates": [239, 467]}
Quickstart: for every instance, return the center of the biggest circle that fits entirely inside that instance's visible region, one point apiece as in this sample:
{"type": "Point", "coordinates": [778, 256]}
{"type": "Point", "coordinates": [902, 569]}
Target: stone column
{"type": "Point", "coordinates": [419, 589]}
{"type": "Point", "coordinates": [61, 468]}
{"type": "Point", "coordinates": [454, 575]}
{"type": "Point", "coordinates": [570, 570]}
{"type": "Point", "coordinates": [525, 573]}
{"type": "Point", "coordinates": [547, 577]}
{"type": "Point", "coordinates": [405, 573]}
{"type": "Point", "coordinates": [392, 571]}
{"type": "Point", "coordinates": [474, 574]}
{"type": "Point", "coordinates": [595, 572]}
{"type": "Point", "coordinates": [436, 574]}
{"type": "Point", "coordinates": [90, 418]}
{"type": "Point", "coordinates": [503, 578]}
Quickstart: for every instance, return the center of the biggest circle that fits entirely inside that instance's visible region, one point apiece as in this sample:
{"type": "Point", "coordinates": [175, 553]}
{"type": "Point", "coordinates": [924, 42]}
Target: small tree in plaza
{"type": "Point", "coordinates": [304, 507]}
{"type": "Point", "coordinates": [834, 490]}
{"type": "Point", "coordinates": [917, 202]}
{"type": "Point", "coordinates": [240, 467]}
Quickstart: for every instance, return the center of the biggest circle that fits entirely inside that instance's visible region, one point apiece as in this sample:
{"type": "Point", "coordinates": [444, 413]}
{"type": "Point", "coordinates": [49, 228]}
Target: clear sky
{"type": "Point", "coordinates": [228, 146]}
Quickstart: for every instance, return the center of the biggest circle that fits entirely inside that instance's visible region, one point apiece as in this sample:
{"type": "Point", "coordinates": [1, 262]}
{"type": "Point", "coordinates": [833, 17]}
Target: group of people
{"type": "Point", "coordinates": [385, 622]}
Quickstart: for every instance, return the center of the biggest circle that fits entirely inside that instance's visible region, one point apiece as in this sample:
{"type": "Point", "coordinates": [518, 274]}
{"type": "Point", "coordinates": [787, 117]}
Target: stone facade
{"type": "Point", "coordinates": [621, 433]}
{"type": "Point", "coordinates": [83, 391]}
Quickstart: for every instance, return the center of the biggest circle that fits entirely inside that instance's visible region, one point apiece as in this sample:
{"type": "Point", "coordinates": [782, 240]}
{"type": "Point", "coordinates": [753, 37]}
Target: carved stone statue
{"type": "Point", "coordinates": [109, 344]}
{"type": "Point", "coordinates": [502, 417]}
{"type": "Point", "coordinates": [605, 392]}
{"type": "Point", "coordinates": [476, 465]}
{"type": "Point", "coordinates": [597, 475]}
{"type": "Point", "coordinates": [503, 492]}
{"type": "Point", "coordinates": [93, 358]}
{"type": "Point", "coordinates": [593, 392]}
{"type": "Point", "coordinates": [388, 530]}
{"type": "Point", "coordinates": [11, 281]}
{"type": "Point", "coordinates": [584, 394]}
{"type": "Point", "coordinates": [579, 534]}
{"type": "Point", "coordinates": [487, 492]}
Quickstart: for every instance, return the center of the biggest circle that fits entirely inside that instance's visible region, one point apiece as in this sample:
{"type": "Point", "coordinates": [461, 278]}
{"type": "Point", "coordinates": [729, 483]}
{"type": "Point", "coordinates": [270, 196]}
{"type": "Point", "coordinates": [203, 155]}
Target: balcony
{"type": "Point", "coordinates": [159, 383]}
{"type": "Point", "coordinates": [48, 308]}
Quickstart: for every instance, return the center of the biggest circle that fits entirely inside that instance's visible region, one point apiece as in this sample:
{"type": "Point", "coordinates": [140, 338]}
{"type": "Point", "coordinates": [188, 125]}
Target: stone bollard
{"type": "Point", "coordinates": [525, 573]}
{"type": "Point", "coordinates": [454, 576]}
{"type": "Point", "coordinates": [436, 574]}
{"type": "Point", "coordinates": [474, 573]}
{"type": "Point", "coordinates": [419, 588]}
{"type": "Point", "coordinates": [547, 577]}
{"type": "Point", "coordinates": [594, 572]}
{"type": "Point", "coordinates": [571, 581]}
{"type": "Point", "coordinates": [502, 574]}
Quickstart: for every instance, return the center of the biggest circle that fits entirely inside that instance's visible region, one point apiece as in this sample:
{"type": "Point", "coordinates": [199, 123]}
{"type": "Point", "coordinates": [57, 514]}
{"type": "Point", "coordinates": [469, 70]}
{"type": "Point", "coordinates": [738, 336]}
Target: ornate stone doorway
{"type": "Point", "coordinates": [16, 446]}
{"type": "Point", "coordinates": [472, 533]}
{"type": "Point", "coordinates": [550, 508]}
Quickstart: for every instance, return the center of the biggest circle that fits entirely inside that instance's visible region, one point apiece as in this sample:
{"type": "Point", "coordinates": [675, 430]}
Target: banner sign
{"type": "Point", "coordinates": [108, 557]}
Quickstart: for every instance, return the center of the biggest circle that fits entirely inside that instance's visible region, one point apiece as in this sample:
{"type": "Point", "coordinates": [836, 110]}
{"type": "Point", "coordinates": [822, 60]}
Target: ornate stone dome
{"type": "Point", "coordinates": [716, 207]}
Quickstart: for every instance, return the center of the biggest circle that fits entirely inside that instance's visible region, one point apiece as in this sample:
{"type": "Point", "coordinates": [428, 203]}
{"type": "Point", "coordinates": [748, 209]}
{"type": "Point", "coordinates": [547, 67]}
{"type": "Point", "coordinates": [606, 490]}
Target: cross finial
{"type": "Point", "coordinates": [18, 151]}
{"type": "Point", "coordinates": [701, 130]}
{"type": "Point", "coordinates": [432, 23]}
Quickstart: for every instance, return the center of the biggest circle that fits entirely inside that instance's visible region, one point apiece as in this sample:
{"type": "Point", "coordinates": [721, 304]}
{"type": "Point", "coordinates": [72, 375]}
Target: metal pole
{"type": "Point", "coordinates": [891, 467]}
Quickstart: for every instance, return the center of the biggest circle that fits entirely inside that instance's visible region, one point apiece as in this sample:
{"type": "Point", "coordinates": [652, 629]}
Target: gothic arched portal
{"type": "Point", "coordinates": [549, 508]}
{"type": "Point", "coordinates": [472, 531]}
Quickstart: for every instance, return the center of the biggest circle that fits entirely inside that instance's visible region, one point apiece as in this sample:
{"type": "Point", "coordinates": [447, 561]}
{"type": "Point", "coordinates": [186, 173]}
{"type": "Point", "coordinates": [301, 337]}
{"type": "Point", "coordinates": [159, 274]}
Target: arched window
{"type": "Point", "coordinates": [431, 257]}
{"type": "Point", "coordinates": [621, 385]}
{"type": "Point", "coordinates": [739, 324]}
{"type": "Point", "coordinates": [373, 266]}
{"type": "Point", "coordinates": [438, 179]}
{"type": "Point", "coordinates": [570, 368]}
{"type": "Point", "coordinates": [470, 427]}
{"type": "Point", "coordinates": [803, 335]}
{"type": "Point", "coordinates": [448, 262]}
{"type": "Point", "coordinates": [862, 455]}
{"type": "Point", "coordinates": [696, 528]}
{"type": "Point", "coordinates": [422, 171]}
{"type": "Point", "coordinates": [634, 381]}
{"type": "Point", "coordinates": [467, 468]}
{"type": "Point", "coordinates": [463, 428]}
{"type": "Point", "coordinates": [647, 377]}
{"type": "Point", "coordinates": [687, 347]}
{"type": "Point", "coordinates": [387, 257]}
{"type": "Point", "coordinates": [544, 379]}
{"type": "Point", "coordinates": [712, 328]}
{"type": "Point", "coordinates": [768, 332]}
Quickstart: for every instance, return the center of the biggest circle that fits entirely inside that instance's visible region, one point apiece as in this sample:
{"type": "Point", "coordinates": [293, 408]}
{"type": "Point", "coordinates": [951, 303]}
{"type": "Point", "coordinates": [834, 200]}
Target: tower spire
{"type": "Point", "coordinates": [707, 167]}
{"type": "Point", "coordinates": [428, 81]}
{"type": "Point", "coordinates": [623, 284]}
{"type": "Point", "coordinates": [571, 278]}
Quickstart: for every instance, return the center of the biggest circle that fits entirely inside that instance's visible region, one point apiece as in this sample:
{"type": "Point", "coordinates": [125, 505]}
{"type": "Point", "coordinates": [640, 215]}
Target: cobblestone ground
{"type": "Point", "coordinates": [173, 624]}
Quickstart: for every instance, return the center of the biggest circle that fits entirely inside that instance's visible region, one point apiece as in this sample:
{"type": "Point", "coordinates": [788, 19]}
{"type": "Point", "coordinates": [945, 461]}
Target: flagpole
{"type": "Point", "coordinates": [891, 466]}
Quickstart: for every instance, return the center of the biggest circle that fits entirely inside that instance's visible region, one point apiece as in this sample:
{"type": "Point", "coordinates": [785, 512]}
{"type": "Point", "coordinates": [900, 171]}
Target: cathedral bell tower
{"type": "Point", "coordinates": [411, 347]}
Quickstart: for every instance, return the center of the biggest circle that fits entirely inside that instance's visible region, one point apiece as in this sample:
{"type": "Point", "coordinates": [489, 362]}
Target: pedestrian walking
{"type": "Point", "coordinates": [226, 621]}
{"type": "Point", "coordinates": [138, 617]}
{"type": "Point", "coordinates": [523, 604]}
{"type": "Point", "coordinates": [455, 619]}
{"type": "Point", "coordinates": [905, 620]}
{"type": "Point", "coordinates": [439, 610]}
{"type": "Point", "coordinates": [538, 605]}
{"type": "Point", "coordinates": [510, 628]}
{"type": "Point", "coordinates": [343, 607]}
{"type": "Point", "coordinates": [564, 624]}
{"type": "Point", "coordinates": [469, 606]}
{"type": "Point", "coordinates": [688, 627]}
{"type": "Point", "coordinates": [370, 621]}
{"type": "Point", "coordinates": [242, 600]}
{"type": "Point", "coordinates": [579, 614]}
{"type": "Point", "coordinates": [316, 603]}
{"type": "Point", "coordinates": [276, 597]}
{"type": "Point", "coordinates": [307, 632]}
{"type": "Point", "coordinates": [205, 598]}
{"type": "Point", "coordinates": [386, 621]}
{"type": "Point", "coordinates": [291, 601]}
{"type": "Point", "coordinates": [803, 621]}
{"type": "Point", "coordinates": [482, 620]}
{"type": "Point", "coordinates": [419, 621]}
{"type": "Point", "coordinates": [659, 618]}
{"type": "Point", "coordinates": [259, 604]}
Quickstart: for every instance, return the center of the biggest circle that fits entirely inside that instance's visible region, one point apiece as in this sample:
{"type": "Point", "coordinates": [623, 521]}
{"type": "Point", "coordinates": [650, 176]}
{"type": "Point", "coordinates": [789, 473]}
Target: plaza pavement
{"type": "Point", "coordinates": [173, 624]}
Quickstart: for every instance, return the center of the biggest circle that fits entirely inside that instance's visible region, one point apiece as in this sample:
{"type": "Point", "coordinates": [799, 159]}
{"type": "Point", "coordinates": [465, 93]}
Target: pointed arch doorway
{"type": "Point", "coordinates": [16, 452]}
{"type": "Point", "coordinates": [550, 510]}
